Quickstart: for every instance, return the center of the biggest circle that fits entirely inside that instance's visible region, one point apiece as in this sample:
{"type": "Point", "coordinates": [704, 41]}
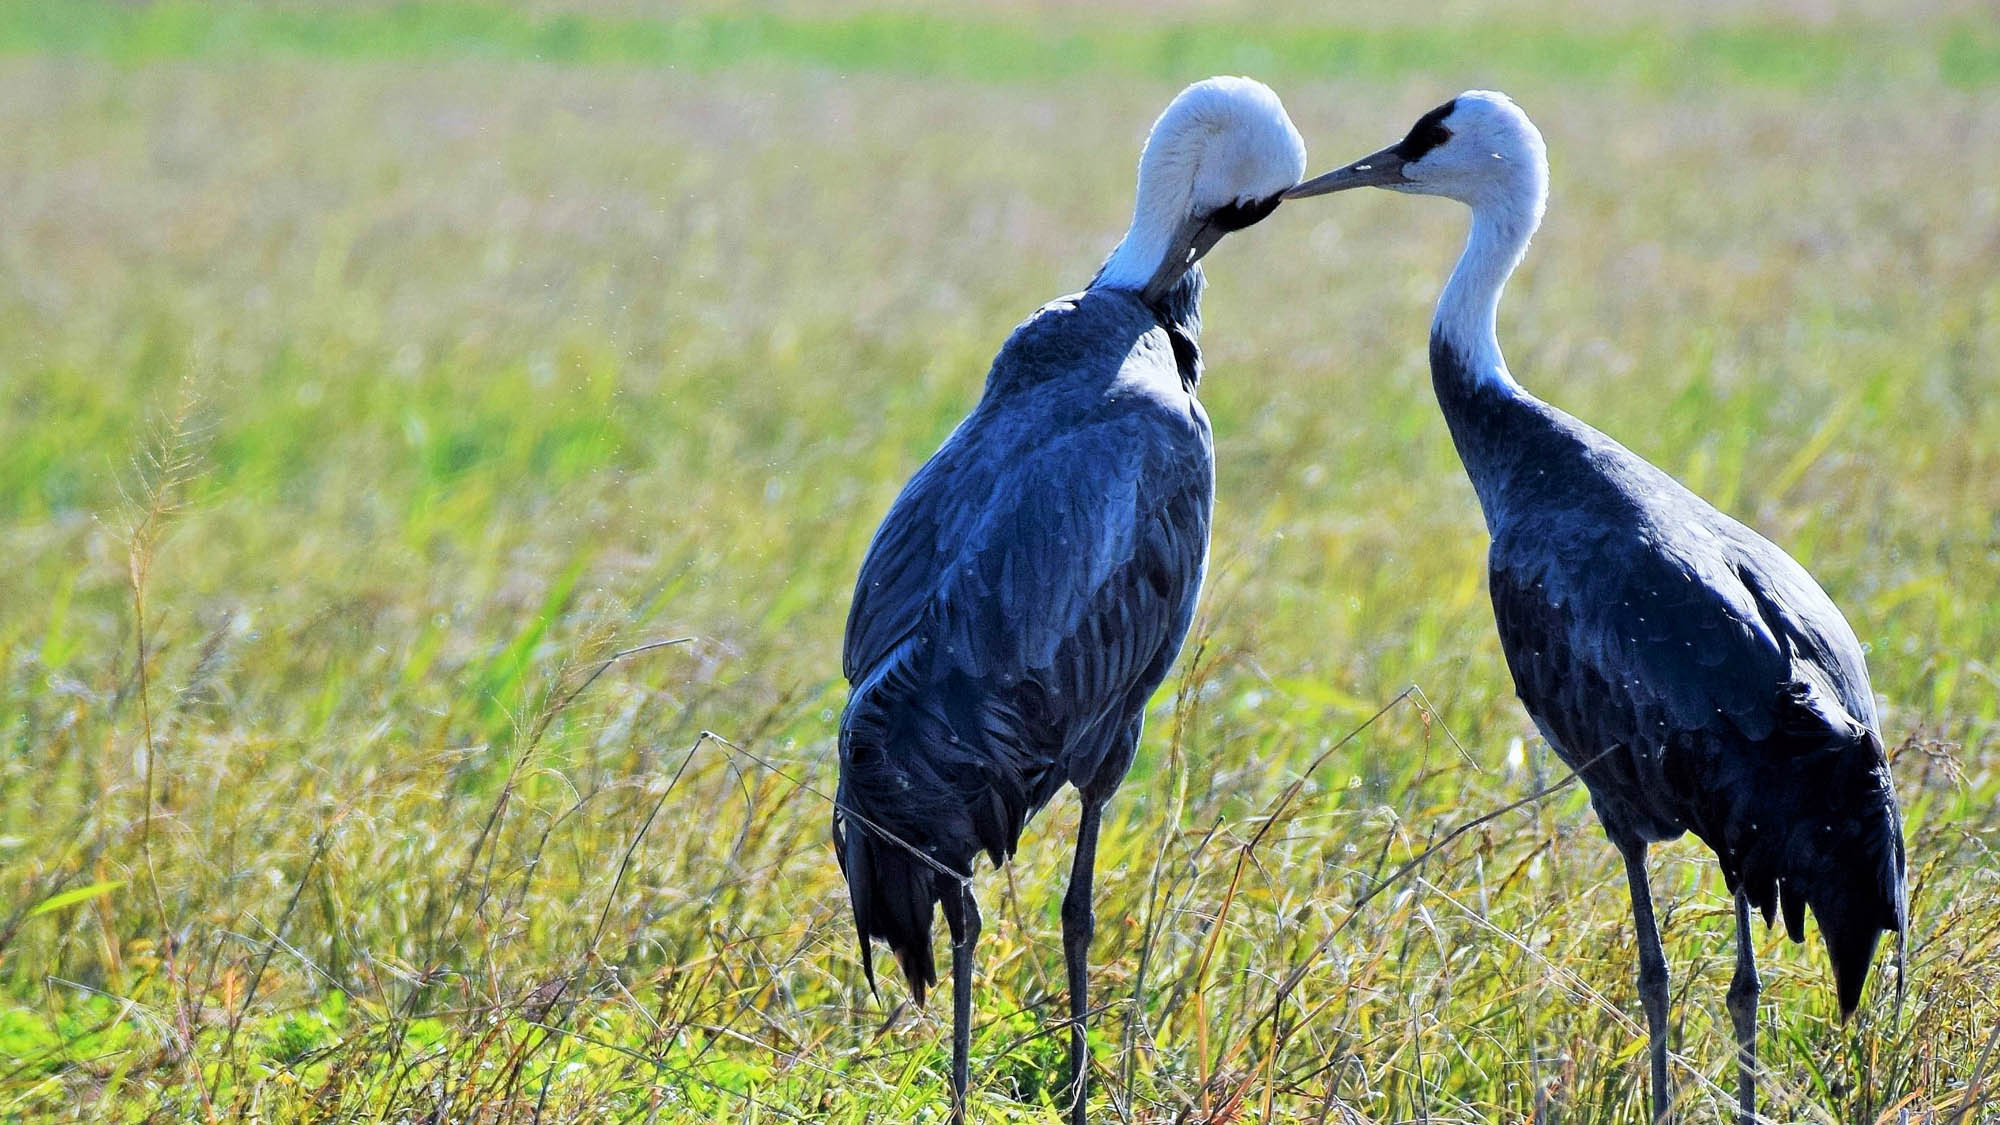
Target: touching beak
{"type": "Point", "coordinates": [1380, 169]}
{"type": "Point", "coordinates": [1196, 237]}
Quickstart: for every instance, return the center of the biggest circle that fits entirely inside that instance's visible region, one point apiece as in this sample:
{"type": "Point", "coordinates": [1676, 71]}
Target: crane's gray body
{"type": "Point", "coordinates": [1022, 600]}
{"type": "Point", "coordinates": [1695, 675]}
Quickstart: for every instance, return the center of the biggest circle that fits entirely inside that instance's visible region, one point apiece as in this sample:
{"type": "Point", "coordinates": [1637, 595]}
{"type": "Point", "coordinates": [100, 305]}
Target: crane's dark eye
{"type": "Point", "coordinates": [1236, 216]}
{"type": "Point", "coordinates": [1428, 133]}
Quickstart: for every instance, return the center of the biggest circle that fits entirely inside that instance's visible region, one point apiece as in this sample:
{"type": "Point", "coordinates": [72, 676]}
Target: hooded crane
{"type": "Point", "coordinates": [1695, 676]}
{"type": "Point", "coordinates": [1031, 586]}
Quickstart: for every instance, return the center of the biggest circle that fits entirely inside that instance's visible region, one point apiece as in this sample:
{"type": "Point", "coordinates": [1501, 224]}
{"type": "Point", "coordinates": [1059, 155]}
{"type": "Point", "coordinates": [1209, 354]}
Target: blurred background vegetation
{"type": "Point", "coordinates": [375, 372]}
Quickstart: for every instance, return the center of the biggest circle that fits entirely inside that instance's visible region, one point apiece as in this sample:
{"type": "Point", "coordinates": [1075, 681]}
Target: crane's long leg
{"type": "Point", "coordinates": [1652, 975]}
{"type": "Point", "coordinates": [961, 913]}
{"type": "Point", "coordinates": [1743, 1013]}
{"type": "Point", "coordinates": [1079, 922]}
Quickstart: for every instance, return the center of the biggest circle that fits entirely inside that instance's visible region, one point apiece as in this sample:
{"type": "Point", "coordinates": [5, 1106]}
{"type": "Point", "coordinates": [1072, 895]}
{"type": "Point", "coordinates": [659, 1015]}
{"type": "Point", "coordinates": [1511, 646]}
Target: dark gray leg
{"type": "Point", "coordinates": [1078, 923]}
{"type": "Point", "coordinates": [961, 913]}
{"type": "Point", "coordinates": [1652, 976]}
{"type": "Point", "coordinates": [1743, 1013]}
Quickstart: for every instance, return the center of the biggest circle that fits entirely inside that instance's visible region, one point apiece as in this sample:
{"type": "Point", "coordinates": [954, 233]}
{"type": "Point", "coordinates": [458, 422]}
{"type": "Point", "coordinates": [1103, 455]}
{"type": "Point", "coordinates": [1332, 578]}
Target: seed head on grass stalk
{"type": "Point", "coordinates": [161, 471]}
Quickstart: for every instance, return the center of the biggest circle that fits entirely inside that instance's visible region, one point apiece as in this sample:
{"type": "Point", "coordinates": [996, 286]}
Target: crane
{"type": "Point", "coordinates": [1693, 674]}
{"type": "Point", "coordinates": [1032, 584]}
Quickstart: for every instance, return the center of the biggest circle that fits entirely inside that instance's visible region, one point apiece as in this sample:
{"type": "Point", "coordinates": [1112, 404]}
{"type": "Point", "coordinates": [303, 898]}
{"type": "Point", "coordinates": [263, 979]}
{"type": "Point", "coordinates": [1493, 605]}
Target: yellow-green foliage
{"type": "Point", "coordinates": [373, 373]}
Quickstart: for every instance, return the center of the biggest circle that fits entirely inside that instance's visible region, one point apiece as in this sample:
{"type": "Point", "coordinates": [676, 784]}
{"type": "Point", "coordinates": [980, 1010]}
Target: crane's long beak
{"type": "Point", "coordinates": [1378, 169]}
{"type": "Point", "coordinates": [1197, 236]}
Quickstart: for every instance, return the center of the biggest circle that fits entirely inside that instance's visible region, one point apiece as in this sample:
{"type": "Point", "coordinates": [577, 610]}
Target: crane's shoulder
{"type": "Point", "coordinates": [1093, 338]}
{"type": "Point", "coordinates": [1031, 507]}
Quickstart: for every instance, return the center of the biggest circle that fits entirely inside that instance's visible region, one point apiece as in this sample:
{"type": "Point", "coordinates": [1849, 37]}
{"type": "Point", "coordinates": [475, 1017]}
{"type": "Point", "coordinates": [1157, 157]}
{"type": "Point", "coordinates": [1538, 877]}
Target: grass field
{"type": "Point", "coordinates": [374, 374]}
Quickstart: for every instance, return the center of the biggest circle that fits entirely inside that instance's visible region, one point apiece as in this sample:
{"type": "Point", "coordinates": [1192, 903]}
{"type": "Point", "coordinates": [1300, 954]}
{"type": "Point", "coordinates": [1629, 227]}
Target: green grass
{"type": "Point", "coordinates": [418, 376]}
{"type": "Point", "coordinates": [1655, 52]}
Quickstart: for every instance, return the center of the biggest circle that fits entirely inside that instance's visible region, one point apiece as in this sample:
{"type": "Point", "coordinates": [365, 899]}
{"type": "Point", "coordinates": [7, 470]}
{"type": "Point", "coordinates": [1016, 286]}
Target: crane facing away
{"type": "Point", "coordinates": [1692, 673]}
{"type": "Point", "coordinates": [1032, 585]}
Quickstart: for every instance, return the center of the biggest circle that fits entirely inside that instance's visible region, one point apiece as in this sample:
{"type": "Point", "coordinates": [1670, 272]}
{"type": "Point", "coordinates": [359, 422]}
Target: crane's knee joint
{"type": "Point", "coordinates": [1743, 993]}
{"type": "Point", "coordinates": [1652, 975]}
{"type": "Point", "coordinates": [962, 915]}
{"type": "Point", "coordinates": [1078, 917]}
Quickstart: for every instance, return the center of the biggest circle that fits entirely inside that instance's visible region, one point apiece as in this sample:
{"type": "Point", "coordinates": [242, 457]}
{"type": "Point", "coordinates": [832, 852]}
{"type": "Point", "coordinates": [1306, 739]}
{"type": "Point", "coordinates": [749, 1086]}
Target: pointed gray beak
{"type": "Point", "coordinates": [1196, 237]}
{"type": "Point", "coordinates": [1379, 169]}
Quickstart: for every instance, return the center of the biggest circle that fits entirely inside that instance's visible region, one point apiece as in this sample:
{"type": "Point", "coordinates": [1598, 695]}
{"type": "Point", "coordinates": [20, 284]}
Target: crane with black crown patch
{"type": "Point", "coordinates": [1694, 675]}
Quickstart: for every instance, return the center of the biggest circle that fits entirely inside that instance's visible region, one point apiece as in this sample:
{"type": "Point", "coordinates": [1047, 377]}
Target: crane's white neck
{"type": "Point", "coordinates": [1471, 301]}
{"type": "Point", "coordinates": [1222, 145]}
{"type": "Point", "coordinates": [1165, 201]}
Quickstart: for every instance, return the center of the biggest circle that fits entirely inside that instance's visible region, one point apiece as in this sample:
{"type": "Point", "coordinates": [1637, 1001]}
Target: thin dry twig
{"type": "Point", "coordinates": [1972, 1098]}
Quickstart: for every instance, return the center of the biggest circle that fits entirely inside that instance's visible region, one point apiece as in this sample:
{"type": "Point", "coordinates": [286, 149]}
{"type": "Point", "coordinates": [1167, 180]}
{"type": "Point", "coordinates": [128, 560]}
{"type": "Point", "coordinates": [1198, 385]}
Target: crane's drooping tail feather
{"type": "Point", "coordinates": [1852, 919]}
{"type": "Point", "coordinates": [893, 894]}
{"type": "Point", "coordinates": [905, 827]}
{"type": "Point", "coordinates": [1843, 859]}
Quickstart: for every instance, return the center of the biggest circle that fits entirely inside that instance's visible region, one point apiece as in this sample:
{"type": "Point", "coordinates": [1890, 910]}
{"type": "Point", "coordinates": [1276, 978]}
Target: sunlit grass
{"type": "Point", "coordinates": [451, 373]}
{"type": "Point", "coordinates": [1659, 49]}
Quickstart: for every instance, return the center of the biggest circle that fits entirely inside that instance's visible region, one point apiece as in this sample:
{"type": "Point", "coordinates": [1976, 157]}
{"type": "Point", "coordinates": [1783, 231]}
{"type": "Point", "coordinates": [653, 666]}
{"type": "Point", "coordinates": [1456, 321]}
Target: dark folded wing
{"type": "Point", "coordinates": [1018, 608]}
{"type": "Point", "coordinates": [1068, 562]}
{"type": "Point", "coordinates": [1671, 633]}
{"type": "Point", "coordinates": [1825, 653]}
{"type": "Point", "coordinates": [911, 550]}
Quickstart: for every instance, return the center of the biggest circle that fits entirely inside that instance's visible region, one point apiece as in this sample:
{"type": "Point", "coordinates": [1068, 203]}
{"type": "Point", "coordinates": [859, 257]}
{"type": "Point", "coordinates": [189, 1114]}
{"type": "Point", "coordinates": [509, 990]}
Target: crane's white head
{"type": "Point", "coordinates": [1478, 148]}
{"type": "Point", "coordinates": [1219, 159]}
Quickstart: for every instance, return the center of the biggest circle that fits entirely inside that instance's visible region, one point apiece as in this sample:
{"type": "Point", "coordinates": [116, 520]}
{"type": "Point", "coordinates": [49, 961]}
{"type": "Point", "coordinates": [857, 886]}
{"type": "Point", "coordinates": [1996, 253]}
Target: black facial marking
{"type": "Point", "coordinates": [1236, 216]}
{"type": "Point", "coordinates": [1428, 133]}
